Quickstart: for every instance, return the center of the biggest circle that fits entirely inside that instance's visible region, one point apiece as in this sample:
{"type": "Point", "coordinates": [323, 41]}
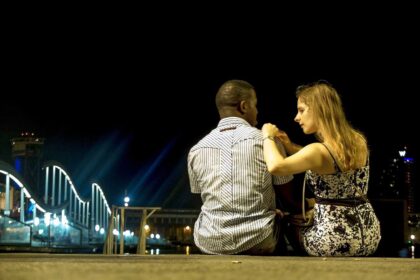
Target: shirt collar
{"type": "Point", "coordinates": [232, 121]}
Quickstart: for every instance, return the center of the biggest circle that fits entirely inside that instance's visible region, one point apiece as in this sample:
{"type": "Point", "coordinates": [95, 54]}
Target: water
{"type": "Point", "coordinates": [180, 249]}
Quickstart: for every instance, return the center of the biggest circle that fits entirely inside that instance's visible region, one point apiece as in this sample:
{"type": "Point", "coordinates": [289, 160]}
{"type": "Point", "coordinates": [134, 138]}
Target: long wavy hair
{"type": "Point", "coordinates": [348, 144]}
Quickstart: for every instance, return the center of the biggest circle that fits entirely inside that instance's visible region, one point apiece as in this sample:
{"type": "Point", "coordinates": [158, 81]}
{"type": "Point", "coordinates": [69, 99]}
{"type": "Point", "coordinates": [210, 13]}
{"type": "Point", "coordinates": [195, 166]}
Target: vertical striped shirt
{"type": "Point", "coordinates": [227, 168]}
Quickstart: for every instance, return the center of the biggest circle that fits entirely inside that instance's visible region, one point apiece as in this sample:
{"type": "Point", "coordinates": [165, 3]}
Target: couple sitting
{"type": "Point", "coordinates": [239, 170]}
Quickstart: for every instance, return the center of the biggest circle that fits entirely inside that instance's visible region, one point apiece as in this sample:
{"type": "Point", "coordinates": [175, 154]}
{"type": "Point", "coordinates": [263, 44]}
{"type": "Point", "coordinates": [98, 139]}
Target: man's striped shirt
{"type": "Point", "coordinates": [227, 168]}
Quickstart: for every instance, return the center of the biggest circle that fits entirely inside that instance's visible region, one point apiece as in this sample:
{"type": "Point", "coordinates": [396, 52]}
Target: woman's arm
{"type": "Point", "coordinates": [309, 157]}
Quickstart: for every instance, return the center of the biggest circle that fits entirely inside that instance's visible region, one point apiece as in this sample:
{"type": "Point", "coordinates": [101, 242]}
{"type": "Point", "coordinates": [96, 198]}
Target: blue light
{"type": "Point", "coordinates": [31, 208]}
{"type": "Point", "coordinates": [408, 160]}
{"type": "Point", "coordinates": [18, 164]}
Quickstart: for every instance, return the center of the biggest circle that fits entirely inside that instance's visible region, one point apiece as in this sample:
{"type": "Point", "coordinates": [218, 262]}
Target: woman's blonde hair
{"type": "Point", "coordinates": [348, 144]}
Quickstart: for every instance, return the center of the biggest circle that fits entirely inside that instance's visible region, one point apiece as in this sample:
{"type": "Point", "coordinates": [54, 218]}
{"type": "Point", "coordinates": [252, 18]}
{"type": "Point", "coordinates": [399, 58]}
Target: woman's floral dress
{"type": "Point", "coordinates": [345, 223]}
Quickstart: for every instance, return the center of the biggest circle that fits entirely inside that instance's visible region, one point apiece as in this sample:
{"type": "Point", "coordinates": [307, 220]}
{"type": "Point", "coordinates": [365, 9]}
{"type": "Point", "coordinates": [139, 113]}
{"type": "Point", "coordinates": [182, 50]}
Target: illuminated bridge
{"type": "Point", "coordinates": [57, 217]}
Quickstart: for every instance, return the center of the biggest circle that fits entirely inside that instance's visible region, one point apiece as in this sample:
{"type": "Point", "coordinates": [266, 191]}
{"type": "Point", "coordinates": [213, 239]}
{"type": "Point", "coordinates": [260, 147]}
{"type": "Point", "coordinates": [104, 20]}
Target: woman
{"type": "Point", "coordinates": [337, 168]}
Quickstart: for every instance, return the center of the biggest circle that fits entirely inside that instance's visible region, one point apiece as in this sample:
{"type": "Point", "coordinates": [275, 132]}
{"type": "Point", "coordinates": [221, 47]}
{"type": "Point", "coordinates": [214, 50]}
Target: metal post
{"type": "Point", "coordinates": [53, 188]}
{"type": "Point", "coordinates": [59, 188]}
{"type": "Point", "coordinates": [65, 189]}
{"type": "Point", "coordinates": [122, 231]}
{"type": "Point", "coordinates": [75, 207]}
{"type": "Point", "coordinates": [70, 205]}
{"type": "Point", "coordinates": [142, 233]}
{"type": "Point", "coordinates": [92, 223]}
{"type": "Point", "coordinates": [7, 208]}
{"type": "Point", "coordinates": [22, 205]}
{"type": "Point", "coordinates": [100, 211]}
{"type": "Point", "coordinates": [46, 186]}
{"type": "Point", "coordinates": [79, 217]}
{"type": "Point", "coordinates": [96, 206]}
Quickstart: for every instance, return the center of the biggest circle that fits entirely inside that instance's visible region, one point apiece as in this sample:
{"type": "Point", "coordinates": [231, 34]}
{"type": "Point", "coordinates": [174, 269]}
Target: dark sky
{"type": "Point", "coordinates": [123, 106]}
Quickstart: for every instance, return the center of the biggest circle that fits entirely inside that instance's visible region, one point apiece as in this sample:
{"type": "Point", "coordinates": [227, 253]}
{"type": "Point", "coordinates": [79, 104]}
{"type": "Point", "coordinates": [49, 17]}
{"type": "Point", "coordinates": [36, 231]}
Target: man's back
{"type": "Point", "coordinates": [228, 169]}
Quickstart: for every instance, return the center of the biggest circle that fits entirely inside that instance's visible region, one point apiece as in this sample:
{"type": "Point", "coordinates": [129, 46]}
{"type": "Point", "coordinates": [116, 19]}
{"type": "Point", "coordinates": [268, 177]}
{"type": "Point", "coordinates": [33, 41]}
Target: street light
{"type": "Point", "coordinates": [126, 199]}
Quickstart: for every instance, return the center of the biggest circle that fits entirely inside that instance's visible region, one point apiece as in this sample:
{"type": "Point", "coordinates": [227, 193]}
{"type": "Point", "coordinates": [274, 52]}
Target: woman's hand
{"type": "Point", "coordinates": [269, 130]}
{"type": "Point", "coordinates": [283, 137]}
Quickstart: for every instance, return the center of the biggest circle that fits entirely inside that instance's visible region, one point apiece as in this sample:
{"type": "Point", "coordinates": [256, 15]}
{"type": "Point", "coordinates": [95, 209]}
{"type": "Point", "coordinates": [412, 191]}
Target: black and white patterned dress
{"type": "Point", "coordinates": [341, 227]}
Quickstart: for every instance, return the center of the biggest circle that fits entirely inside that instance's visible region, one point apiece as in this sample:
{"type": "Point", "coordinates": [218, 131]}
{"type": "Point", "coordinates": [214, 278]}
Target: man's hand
{"type": "Point", "coordinates": [281, 214]}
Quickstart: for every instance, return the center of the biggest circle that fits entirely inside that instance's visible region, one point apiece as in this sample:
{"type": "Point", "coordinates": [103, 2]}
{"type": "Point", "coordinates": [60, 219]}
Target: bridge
{"type": "Point", "coordinates": [59, 216]}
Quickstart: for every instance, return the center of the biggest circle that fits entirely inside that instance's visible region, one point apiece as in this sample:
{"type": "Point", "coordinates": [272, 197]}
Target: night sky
{"type": "Point", "coordinates": [125, 106]}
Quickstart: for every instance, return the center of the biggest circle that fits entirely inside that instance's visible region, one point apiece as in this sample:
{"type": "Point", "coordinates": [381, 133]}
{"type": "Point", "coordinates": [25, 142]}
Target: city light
{"type": "Point", "coordinates": [126, 199]}
{"type": "Point", "coordinates": [64, 220]}
{"type": "Point", "coordinates": [47, 219]}
{"type": "Point", "coordinates": [56, 221]}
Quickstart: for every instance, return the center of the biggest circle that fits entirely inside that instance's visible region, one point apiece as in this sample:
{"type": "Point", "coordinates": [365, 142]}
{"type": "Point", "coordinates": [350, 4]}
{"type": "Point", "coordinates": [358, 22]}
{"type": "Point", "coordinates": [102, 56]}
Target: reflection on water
{"type": "Point", "coordinates": [183, 250]}
{"type": "Point", "coordinates": [153, 252]}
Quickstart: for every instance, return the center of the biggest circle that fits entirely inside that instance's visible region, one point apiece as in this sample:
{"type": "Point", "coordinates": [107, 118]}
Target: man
{"type": "Point", "coordinates": [227, 168]}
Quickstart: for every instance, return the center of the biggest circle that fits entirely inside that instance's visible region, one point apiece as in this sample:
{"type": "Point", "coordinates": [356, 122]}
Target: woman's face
{"type": "Point", "coordinates": [305, 118]}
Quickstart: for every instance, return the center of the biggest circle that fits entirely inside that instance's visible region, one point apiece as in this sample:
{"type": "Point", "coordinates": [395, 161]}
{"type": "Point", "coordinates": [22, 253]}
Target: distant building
{"type": "Point", "coordinates": [397, 179]}
{"type": "Point", "coordinates": [27, 155]}
{"type": "Point", "coordinates": [409, 184]}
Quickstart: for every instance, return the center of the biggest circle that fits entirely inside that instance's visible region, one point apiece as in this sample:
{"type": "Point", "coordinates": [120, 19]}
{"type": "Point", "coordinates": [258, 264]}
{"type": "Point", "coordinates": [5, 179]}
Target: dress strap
{"type": "Point", "coordinates": [336, 166]}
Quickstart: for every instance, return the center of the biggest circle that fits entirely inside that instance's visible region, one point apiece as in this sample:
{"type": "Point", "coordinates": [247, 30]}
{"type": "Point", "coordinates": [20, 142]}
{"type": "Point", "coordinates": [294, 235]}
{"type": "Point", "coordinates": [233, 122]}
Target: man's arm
{"type": "Point", "coordinates": [191, 174]}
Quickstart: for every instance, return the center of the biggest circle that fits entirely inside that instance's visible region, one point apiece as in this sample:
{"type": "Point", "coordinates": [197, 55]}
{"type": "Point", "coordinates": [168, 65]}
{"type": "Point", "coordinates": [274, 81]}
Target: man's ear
{"type": "Point", "coordinates": [243, 107]}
